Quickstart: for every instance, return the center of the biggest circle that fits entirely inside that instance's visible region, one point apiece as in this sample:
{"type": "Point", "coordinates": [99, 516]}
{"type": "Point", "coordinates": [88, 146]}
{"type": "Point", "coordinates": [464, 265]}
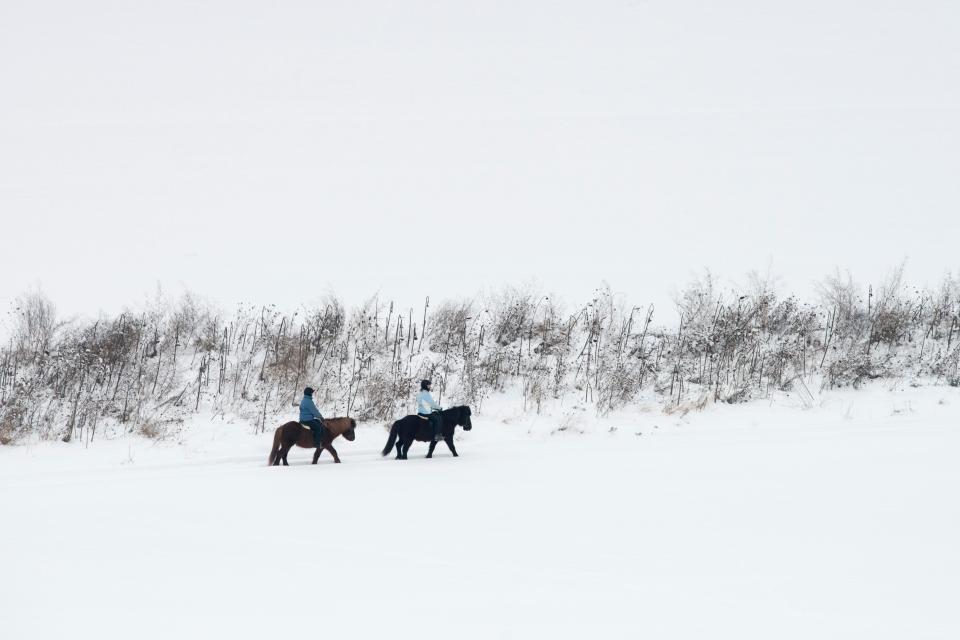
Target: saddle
{"type": "Point", "coordinates": [324, 432]}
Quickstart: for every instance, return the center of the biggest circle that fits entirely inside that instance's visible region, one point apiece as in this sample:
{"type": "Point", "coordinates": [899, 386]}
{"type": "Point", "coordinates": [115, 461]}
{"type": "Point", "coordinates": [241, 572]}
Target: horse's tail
{"type": "Point", "coordinates": [275, 451]}
{"type": "Point", "coordinates": [392, 441]}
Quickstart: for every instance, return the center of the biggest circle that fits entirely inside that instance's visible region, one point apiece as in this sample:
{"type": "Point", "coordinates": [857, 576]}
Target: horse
{"type": "Point", "coordinates": [405, 430]}
{"type": "Point", "coordinates": [294, 433]}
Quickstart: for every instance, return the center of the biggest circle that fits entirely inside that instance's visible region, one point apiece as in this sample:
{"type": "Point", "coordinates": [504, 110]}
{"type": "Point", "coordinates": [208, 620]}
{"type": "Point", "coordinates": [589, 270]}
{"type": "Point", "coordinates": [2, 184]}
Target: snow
{"type": "Point", "coordinates": [764, 520]}
{"type": "Point", "coordinates": [210, 147]}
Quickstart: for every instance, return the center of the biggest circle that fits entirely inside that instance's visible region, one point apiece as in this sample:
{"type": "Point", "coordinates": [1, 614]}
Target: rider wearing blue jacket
{"type": "Point", "coordinates": [310, 416]}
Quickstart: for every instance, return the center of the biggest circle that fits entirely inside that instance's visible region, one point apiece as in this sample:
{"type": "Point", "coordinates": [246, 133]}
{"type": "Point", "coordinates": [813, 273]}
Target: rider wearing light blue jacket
{"type": "Point", "coordinates": [428, 407]}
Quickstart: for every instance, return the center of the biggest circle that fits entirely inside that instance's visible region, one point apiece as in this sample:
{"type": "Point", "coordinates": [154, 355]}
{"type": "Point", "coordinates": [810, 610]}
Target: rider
{"type": "Point", "coordinates": [310, 417]}
{"type": "Point", "coordinates": [426, 406]}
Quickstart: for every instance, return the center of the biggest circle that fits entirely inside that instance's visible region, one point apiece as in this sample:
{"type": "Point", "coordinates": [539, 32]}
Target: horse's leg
{"type": "Point", "coordinates": [449, 441]}
{"type": "Point", "coordinates": [406, 448]}
{"type": "Point", "coordinates": [399, 449]}
{"type": "Point", "coordinates": [284, 450]}
{"type": "Point", "coordinates": [316, 454]}
{"type": "Point", "coordinates": [329, 447]}
{"type": "Point", "coordinates": [433, 445]}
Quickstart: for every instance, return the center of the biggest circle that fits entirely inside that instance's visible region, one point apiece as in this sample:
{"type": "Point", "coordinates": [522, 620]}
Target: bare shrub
{"type": "Point", "coordinates": [12, 423]}
{"type": "Point", "coordinates": [153, 429]}
{"type": "Point", "coordinates": [890, 315]}
{"type": "Point", "coordinates": [150, 368]}
{"type": "Point", "coordinates": [34, 317]}
{"type": "Point", "coordinates": [512, 312]}
{"type": "Point", "coordinates": [842, 297]}
{"type": "Point", "coordinates": [448, 328]}
{"type": "Point", "coordinates": [852, 367]}
{"type": "Point", "coordinates": [383, 396]}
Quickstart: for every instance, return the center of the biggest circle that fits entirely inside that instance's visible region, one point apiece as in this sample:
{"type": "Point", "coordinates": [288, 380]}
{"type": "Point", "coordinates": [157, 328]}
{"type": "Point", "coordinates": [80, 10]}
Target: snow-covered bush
{"type": "Point", "coordinates": [144, 371]}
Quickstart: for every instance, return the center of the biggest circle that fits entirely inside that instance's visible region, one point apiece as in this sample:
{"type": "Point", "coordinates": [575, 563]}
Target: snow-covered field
{"type": "Point", "coordinates": [760, 521]}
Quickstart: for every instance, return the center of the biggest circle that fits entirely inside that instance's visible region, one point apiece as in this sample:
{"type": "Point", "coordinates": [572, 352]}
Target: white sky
{"type": "Point", "coordinates": [271, 151]}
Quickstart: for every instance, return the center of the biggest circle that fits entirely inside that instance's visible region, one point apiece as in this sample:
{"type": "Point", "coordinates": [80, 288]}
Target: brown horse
{"type": "Point", "coordinates": [294, 433]}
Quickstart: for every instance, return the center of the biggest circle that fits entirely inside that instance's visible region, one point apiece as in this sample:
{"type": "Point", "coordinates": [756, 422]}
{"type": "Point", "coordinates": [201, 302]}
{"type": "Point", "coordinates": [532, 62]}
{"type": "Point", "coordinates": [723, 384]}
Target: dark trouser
{"type": "Point", "coordinates": [317, 427]}
{"type": "Point", "coordinates": [435, 422]}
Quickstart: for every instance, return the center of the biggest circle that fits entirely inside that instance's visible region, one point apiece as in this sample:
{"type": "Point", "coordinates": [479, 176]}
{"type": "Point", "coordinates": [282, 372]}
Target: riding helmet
{"type": "Point", "coordinates": [308, 391]}
{"type": "Point", "coordinates": [424, 385]}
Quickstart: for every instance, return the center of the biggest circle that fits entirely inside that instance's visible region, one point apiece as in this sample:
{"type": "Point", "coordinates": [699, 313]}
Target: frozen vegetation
{"type": "Point", "coordinates": [148, 370]}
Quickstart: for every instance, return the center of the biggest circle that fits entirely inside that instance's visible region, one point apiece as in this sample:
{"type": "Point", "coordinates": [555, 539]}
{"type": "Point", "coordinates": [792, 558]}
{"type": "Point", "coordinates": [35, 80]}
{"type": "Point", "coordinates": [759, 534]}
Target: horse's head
{"type": "Point", "coordinates": [465, 415]}
{"type": "Point", "coordinates": [351, 433]}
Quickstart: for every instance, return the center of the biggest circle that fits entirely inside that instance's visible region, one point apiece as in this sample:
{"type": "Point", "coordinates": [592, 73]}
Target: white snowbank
{"type": "Point", "coordinates": [755, 521]}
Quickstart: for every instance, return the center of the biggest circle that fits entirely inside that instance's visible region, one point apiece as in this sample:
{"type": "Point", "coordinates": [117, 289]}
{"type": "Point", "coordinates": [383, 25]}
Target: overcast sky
{"type": "Point", "coordinates": [272, 151]}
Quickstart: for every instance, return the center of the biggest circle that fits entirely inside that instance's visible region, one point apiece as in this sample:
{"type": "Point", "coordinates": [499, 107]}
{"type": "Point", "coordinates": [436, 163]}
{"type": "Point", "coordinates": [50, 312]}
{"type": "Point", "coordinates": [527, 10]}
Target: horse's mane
{"type": "Point", "coordinates": [459, 409]}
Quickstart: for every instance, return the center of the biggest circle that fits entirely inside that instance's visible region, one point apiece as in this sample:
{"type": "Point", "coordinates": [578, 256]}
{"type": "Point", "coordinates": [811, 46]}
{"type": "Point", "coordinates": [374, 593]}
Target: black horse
{"type": "Point", "coordinates": [406, 430]}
